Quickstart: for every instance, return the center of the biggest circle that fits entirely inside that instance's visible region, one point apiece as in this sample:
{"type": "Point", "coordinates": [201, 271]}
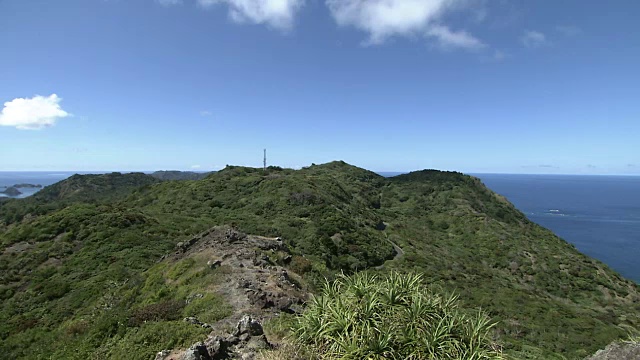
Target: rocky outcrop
{"type": "Point", "coordinates": [617, 351]}
{"type": "Point", "coordinates": [245, 343]}
{"type": "Point", "coordinates": [255, 283]}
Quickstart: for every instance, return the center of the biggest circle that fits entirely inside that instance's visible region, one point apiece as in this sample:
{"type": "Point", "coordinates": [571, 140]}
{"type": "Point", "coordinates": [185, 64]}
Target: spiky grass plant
{"type": "Point", "coordinates": [394, 316]}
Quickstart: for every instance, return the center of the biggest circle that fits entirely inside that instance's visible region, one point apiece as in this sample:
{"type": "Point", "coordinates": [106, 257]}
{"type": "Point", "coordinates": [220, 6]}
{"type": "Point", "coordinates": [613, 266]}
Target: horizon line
{"type": "Point", "coordinates": [398, 172]}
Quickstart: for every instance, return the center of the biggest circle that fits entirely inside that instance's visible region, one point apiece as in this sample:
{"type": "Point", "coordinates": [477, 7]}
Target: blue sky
{"type": "Point", "coordinates": [389, 85]}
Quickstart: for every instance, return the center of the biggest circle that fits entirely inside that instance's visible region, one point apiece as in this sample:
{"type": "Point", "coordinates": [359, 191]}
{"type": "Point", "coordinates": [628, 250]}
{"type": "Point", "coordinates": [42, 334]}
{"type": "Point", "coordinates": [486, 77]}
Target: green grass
{"type": "Point", "coordinates": [87, 249]}
{"type": "Point", "coordinates": [396, 316]}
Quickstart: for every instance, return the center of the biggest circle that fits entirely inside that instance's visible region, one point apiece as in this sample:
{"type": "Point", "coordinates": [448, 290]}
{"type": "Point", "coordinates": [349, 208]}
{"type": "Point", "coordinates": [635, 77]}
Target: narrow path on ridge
{"type": "Point", "coordinates": [399, 253]}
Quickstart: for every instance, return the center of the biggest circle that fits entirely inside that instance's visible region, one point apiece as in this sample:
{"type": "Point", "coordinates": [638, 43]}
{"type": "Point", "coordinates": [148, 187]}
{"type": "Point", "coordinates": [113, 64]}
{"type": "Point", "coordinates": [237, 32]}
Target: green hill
{"type": "Point", "coordinates": [73, 190]}
{"type": "Point", "coordinates": [78, 258]}
{"type": "Point", "coordinates": [172, 175]}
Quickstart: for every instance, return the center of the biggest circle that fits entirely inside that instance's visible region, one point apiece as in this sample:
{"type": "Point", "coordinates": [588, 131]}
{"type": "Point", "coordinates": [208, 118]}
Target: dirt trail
{"type": "Point", "coordinates": [399, 254]}
{"type": "Point", "coordinates": [253, 283]}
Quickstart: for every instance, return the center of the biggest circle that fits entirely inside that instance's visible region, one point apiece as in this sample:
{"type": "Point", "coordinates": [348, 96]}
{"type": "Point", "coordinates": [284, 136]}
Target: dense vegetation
{"type": "Point", "coordinates": [92, 189]}
{"type": "Point", "coordinates": [172, 175]}
{"type": "Point", "coordinates": [364, 316]}
{"type": "Point", "coordinates": [80, 277]}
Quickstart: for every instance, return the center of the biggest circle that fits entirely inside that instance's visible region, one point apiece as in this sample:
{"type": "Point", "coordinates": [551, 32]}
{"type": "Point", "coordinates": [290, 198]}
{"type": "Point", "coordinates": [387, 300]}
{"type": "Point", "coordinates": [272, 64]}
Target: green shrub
{"type": "Point", "coordinates": [166, 310]}
{"type": "Point", "coordinates": [210, 308]}
{"type": "Point", "coordinates": [300, 265]}
{"type": "Point", "coordinates": [366, 316]}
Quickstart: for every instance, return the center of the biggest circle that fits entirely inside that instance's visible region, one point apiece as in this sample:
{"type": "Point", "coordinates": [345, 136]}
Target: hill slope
{"type": "Point", "coordinates": [75, 189]}
{"type": "Point", "coordinates": [171, 175]}
{"type": "Point", "coordinates": [71, 270]}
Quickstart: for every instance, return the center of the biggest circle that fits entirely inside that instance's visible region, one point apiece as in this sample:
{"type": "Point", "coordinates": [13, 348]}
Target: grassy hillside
{"type": "Point", "coordinates": [75, 189]}
{"type": "Point", "coordinates": [79, 260]}
{"type": "Point", "coordinates": [172, 175]}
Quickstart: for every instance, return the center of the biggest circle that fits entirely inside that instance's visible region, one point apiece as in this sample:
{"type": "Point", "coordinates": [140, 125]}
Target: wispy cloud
{"type": "Point", "coordinates": [448, 39]}
{"type": "Point", "coordinates": [533, 39]}
{"type": "Point", "coordinates": [169, 2]}
{"type": "Point", "coordinates": [195, 167]}
{"type": "Point", "coordinates": [385, 19]}
{"type": "Point", "coordinates": [278, 14]}
{"type": "Point", "coordinates": [591, 166]}
{"type": "Point", "coordinates": [32, 113]}
{"type": "Point", "coordinates": [548, 166]}
{"type": "Point", "coordinates": [205, 113]}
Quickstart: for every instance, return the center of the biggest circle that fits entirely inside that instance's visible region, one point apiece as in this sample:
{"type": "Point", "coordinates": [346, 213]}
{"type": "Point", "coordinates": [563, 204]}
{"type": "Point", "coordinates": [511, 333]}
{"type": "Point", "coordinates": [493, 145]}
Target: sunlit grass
{"type": "Point", "coordinates": [367, 316]}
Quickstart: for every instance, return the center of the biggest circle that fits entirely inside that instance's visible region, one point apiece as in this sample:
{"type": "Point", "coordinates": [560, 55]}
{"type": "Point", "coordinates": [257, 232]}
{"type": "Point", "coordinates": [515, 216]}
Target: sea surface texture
{"type": "Point", "coordinates": [600, 215]}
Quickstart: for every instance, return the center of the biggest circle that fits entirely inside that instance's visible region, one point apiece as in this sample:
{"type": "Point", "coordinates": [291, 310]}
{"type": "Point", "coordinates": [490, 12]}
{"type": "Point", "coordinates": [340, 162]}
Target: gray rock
{"type": "Point", "coordinates": [249, 326]}
{"type": "Point", "coordinates": [192, 320]}
{"type": "Point", "coordinates": [213, 264]}
{"type": "Point", "coordinates": [618, 351]}
{"type": "Point", "coordinates": [162, 355]}
{"type": "Point", "coordinates": [233, 340]}
{"type": "Point", "coordinates": [192, 297]}
{"type": "Point", "coordinates": [218, 347]}
{"type": "Point", "coordinates": [258, 343]}
{"type": "Point", "coordinates": [197, 351]}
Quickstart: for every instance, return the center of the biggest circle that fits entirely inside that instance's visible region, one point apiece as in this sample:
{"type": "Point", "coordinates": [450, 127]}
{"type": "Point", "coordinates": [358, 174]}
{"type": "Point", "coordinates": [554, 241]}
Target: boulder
{"type": "Point", "coordinates": [162, 355]}
{"type": "Point", "coordinates": [619, 350]}
{"type": "Point", "coordinates": [197, 351]}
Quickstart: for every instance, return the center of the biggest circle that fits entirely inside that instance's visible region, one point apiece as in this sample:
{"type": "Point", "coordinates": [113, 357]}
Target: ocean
{"type": "Point", "coordinates": [44, 178]}
{"type": "Point", "coordinates": [600, 215]}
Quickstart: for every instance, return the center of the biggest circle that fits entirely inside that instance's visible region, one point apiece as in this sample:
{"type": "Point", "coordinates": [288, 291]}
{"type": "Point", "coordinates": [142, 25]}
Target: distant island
{"type": "Point", "coordinates": [27, 186]}
{"type": "Point", "coordinates": [11, 191]}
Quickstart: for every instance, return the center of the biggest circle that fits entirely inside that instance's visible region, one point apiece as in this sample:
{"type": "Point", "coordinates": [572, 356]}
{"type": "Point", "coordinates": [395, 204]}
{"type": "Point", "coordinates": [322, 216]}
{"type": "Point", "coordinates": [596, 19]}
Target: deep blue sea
{"type": "Point", "coordinates": [600, 215]}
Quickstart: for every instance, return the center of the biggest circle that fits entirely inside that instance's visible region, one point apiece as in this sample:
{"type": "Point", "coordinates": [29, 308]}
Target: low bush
{"type": "Point", "coordinates": [366, 316]}
{"type": "Point", "coordinates": [166, 310]}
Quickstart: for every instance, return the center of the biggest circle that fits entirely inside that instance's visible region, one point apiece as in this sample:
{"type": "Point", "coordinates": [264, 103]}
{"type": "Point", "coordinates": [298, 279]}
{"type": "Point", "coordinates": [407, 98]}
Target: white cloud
{"type": "Point", "coordinates": [196, 166]}
{"type": "Point", "coordinates": [32, 114]}
{"type": "Point", "coordinates": [276, 13]}
{"type": "Point", "coordinates": [205, 113]}
{"type": "Point", "coordinates": [533, 39]}
{"type": "Point", "coordinates": [451, 39]}
{"type": "Point", "coordinates": [169, 2]}
{"type": "Point", "coordinates": [384, 19]}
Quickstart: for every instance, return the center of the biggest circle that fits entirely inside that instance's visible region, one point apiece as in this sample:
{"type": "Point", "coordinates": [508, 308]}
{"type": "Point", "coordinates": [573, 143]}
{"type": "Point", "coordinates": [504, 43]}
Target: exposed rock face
{"type": "Point", "coordinates": [247, 341]}
{"type": "Point", "coordinates": [618, 351]}
{"type": "Point", "coordinates": [247, 325]}
{"type": "Point", "coordinates": [254, 283]}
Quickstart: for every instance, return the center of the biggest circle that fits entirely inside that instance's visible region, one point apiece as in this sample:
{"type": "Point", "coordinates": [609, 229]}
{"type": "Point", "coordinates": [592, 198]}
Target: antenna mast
{"type": "Point", "coordinates": [265, 160]}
